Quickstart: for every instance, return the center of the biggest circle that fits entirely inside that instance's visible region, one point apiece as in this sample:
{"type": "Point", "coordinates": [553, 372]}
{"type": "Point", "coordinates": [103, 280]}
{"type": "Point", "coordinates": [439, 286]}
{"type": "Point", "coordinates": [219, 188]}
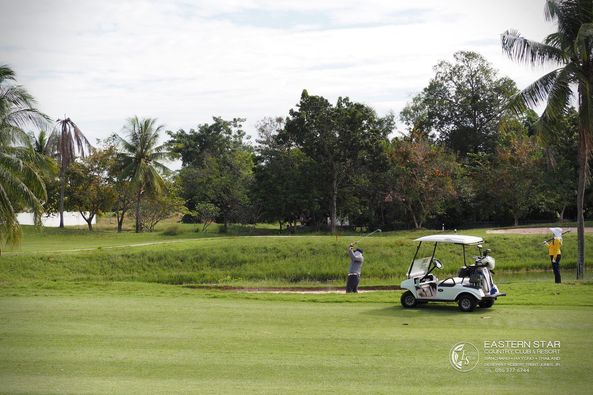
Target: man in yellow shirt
{"type": "Point", "coordinates": [555, 253]}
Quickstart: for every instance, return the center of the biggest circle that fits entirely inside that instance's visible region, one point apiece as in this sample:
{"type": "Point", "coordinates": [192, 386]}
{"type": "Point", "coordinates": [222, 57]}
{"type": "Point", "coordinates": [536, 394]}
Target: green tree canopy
{"type": "Point", "coordinates": [462, 104]}
{"type": "Point", "coordinates": [214, 138]}
{"type": "Point", "coordinates": [217, 167]}
{"type": "Point", "coordinates": [339, 138]}
{"type": "Point", "coordinates": [89, 189]}
{"type": "Point", "coordinates": [420, 176]}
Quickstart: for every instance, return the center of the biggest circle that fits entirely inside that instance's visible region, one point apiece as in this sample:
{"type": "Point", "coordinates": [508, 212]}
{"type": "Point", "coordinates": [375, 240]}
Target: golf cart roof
{"type": "Point", "coordinates": [453, 239]}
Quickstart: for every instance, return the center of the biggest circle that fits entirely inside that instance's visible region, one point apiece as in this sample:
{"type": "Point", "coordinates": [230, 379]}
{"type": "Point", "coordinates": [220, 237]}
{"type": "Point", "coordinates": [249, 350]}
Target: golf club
{"type": "Point", "coordinates": [365, 236]}
{"type": "Point", "coordinates": [549, 240]}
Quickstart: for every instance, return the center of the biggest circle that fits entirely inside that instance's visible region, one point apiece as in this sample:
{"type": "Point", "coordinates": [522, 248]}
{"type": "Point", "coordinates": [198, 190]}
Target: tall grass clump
{"type": "Point", "coordinates": [172, 230]}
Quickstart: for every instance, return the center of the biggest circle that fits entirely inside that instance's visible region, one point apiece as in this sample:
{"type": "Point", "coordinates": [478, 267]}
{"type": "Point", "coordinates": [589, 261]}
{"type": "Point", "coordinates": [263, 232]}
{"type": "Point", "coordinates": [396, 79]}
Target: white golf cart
{"type": "Point", "coordinates": [473, 285]}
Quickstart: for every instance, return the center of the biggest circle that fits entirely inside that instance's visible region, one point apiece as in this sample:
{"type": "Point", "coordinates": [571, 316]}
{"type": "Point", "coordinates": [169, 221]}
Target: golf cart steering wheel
{"type": "Point", "coordinates": [437, 264]}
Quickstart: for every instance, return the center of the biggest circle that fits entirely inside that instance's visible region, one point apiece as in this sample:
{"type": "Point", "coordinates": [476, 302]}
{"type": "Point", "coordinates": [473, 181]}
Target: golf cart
{"type": "Point", "coordinates": [473, 285]}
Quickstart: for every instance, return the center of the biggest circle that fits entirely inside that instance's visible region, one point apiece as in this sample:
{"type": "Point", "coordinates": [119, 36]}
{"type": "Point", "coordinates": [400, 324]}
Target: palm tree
{"type": "Point", "coordinates": [39, 142]}
{"type": "Point", "coordinates": [21, 184]}
{"type": "Point", "coordinates": [571, 49]}
{"type": "Point", "coordinates": [65, 143]}
{"type": "Point", "coordinates": [140, 158]}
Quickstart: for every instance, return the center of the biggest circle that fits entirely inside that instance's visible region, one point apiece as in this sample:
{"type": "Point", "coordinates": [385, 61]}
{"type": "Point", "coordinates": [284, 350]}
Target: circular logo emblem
{"type": "Point", "coordinates": [464, 357]}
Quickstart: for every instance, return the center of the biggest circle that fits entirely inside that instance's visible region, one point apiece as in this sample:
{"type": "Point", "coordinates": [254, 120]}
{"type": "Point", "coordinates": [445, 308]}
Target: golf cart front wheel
{"type": "Point", "coordinates": [408, 300]}
{"type": "Point", "coordinates": [486, 303]}
{"type": "Point", "coordinates": [467, 303]}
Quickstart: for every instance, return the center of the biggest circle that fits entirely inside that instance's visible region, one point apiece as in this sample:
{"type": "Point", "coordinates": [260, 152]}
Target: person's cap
{"type": "Point", "coordinates": [557, 232]}
{"type": "Point", "coordinates": [358, 249]}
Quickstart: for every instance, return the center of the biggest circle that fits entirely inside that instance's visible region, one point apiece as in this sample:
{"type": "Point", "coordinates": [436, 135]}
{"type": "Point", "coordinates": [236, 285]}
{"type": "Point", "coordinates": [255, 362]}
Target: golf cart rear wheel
{"type": "Point", "coordinates": [467, 303]}
{"type": "Point", "coordinates": [408, 300]}
{"type": "Point", "coordinates": [486, 303]}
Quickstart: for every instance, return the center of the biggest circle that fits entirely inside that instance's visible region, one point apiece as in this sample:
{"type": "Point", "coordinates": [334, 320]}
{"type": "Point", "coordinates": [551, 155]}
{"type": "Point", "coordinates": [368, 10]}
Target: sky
{"type": "Point", "coordinates": [183, 62]}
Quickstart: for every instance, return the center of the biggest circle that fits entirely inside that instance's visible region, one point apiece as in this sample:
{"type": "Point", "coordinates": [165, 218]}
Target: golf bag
{"type": "Point", "coordinates": [479, 277]}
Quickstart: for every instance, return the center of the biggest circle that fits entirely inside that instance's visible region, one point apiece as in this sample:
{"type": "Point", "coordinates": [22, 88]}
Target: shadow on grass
{"type": "Point", "coordinates": [440, 309]}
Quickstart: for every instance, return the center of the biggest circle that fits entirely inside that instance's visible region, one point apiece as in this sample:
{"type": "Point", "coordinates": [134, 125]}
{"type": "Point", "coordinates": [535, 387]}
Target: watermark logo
{"type": "Point", "coordinates": [464, 357]}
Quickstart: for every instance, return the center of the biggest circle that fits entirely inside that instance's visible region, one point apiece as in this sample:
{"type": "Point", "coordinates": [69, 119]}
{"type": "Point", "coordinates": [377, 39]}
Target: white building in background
{"type": "Point", "coordinates": [53, 220]}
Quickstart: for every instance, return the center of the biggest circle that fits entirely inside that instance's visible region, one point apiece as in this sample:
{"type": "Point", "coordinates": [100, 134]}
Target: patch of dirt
{"type": "Point", "coordinates": [532, 231]}
{"type": "Point", "coordinates": [293, 290]}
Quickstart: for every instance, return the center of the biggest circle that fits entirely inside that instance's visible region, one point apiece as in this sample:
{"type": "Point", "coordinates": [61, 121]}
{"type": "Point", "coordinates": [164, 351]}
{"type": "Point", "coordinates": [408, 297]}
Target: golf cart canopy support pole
{"type": "Point", "coordinates": [464, 262]}
{"type": "Point", "coordinates": [413, 259]}
{"type": "Point", "coordinates": [433, 251]}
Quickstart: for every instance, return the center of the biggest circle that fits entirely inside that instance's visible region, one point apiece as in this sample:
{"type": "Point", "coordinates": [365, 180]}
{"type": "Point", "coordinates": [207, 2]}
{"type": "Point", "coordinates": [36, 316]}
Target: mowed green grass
{"type": "Point", "coordinates": [132, 338]}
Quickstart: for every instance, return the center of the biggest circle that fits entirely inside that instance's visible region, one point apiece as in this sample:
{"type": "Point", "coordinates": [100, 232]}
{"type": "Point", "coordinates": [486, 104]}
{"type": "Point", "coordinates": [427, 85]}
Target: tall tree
{"type": "Point", "coordinates": [66, 142]}
{"type": "Point", "coordinates": [462, 104]}
{"type": "Point", "coordinates": [89, 189]}
{"type": "Point", "coordinates": [285, 187]}
{"type": "Point", "coordinates": [339, 138]}
{"type": "Point", "coordinates": [21, 183]}
{"type": "Point", "coordinates": [420, 176]}
{"type": "Point", "coordinates": [571, 49]}
{"type": "Point", "coordinates": [222, 180]}
{"type": "Point", "coordinates": [156, 207]}
{"type": "Point", "coordinates": [141, 157]}
{"type": "Point", "coordinates": [518, 162]}
{"type": "Point", "coordinates": [217, 167]}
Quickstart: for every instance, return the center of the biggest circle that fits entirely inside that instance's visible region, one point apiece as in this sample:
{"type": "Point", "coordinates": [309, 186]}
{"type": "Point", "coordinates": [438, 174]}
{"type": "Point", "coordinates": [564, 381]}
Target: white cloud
{"type": "Point", "coordinates": [185, 61]}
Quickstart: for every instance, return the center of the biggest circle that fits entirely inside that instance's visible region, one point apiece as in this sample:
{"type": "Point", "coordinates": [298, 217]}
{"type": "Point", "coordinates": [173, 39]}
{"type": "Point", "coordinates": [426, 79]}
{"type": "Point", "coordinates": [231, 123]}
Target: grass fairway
{"type": "Point", "coordinates": [106, 313]}
{"type": "Point", "coordinates": [148, 338]}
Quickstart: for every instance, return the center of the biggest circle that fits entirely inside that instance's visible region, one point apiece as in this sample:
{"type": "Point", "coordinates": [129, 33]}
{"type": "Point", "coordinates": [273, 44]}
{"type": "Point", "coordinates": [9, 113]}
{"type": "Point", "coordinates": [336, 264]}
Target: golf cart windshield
{"type": "Point", "coordinates": [419, 267]}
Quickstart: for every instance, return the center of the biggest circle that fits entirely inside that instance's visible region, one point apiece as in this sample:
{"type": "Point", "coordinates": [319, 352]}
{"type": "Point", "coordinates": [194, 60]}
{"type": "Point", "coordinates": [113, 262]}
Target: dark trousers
{"type": "Point", "coordinates": [556, 268]}
{"type": "Point", "coordinates": [352, 283]}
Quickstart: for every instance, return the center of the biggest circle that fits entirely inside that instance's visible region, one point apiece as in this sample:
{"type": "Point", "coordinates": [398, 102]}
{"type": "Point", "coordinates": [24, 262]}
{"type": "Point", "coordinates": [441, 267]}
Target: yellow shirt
{"type": "Point", "coordinates": [554, 247]}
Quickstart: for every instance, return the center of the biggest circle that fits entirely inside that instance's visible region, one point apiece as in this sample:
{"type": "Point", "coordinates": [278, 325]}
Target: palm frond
{"type": "Point", "coordinates": [583, 41]}
{"type": "Point", "coordinates": [10, 231]}
{"type": "Point", "coordinates": [6, 73]}
{"type": "Point", "coordinates": [551, 9]}
{"type": "Point", "coordinates": [161, 168]}
{"type": "Point", "coordinates": [535, 93]}
{"type": "Point", "coordinates": [560, 94]}
{"type": "Point", "coordinates": [530, 52]}
{"type": "Point", "coordinates": [154, 180]}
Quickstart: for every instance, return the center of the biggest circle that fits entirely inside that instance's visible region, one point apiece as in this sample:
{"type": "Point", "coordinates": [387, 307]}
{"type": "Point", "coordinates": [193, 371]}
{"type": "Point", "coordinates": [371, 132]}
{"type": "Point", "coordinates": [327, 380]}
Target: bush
{"type": "Point", "coordinates": [172, 230]}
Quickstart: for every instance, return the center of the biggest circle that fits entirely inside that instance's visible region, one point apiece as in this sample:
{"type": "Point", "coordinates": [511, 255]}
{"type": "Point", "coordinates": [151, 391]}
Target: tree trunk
{"type": "Point", "coordinates": [138, 200]}
{"type": "Point", "coordinates": [580, 212]}
{"type": "Point", "coordinates": [334, 201]}
{"type": "Point", "coordinates": [89, 222]}
{"type": "Point", "coordinates": [516, 218]}
{"type": "Point", "coordinates": [120, 222]}
{"type": "Point", "coordinates": [62, 187]}
{"type": "Point", "coordinates": [416, 224]}
{"type": "Point", "coordinates": [583, 158]}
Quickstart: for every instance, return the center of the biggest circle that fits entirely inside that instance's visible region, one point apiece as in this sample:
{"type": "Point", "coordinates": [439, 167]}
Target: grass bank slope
{"type": "Point", "coordinates": [191, 257]}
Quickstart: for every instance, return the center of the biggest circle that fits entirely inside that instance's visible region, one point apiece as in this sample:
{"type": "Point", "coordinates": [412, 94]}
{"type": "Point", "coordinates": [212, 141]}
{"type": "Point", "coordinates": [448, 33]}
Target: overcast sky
{"type": "Point", "coordinates": [182, 61]}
